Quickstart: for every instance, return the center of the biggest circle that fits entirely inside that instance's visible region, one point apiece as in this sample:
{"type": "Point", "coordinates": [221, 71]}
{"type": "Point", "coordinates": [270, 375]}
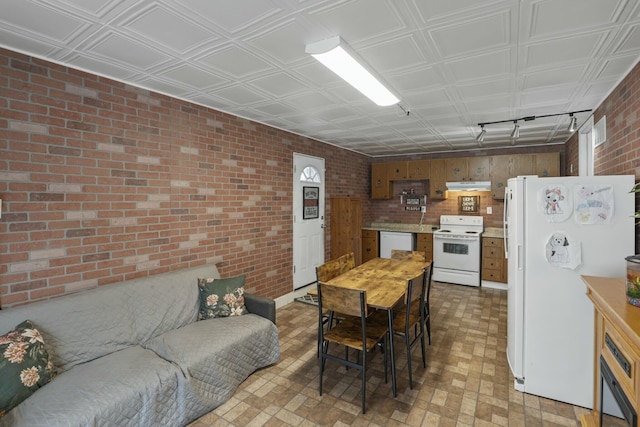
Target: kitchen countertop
{"type": "Point", "coordinates": [424, 228]}
{"type": "Point", "coordinates": [493, 232]}
{"type": "Point", "coordinates": [408, 228]}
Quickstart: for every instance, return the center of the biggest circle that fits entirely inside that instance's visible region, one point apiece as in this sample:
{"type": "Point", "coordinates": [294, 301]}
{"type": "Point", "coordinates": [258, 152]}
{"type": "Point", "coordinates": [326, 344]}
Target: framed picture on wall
{"type": "Point", "coordinates": [310, 202]}
{"type": "Point", "coordinates": [467, 204]}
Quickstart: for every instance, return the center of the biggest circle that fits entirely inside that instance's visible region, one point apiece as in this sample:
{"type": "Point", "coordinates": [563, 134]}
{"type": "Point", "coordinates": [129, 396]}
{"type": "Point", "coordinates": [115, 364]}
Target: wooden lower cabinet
{"type": "Point", "coordinates": [369, 245]}
{"type": "Point", "coordinates": [494, 265]}
{"type": "Point", "coordinates": [617, 342]}
{"type": "Point", "coordinates": [424, 244]}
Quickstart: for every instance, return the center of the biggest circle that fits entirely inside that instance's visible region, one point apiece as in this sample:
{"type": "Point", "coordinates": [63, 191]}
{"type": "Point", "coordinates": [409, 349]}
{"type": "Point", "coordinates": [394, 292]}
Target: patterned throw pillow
{"type": "Point", "coordinates": [24, 365]}
{"type": "Point", "coordinates": [221, 297]}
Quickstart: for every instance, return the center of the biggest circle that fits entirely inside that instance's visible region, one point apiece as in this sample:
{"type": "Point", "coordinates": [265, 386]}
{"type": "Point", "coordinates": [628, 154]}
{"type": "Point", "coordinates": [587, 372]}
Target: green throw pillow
{"type": "Point", "coordinates": [24, 365]}
{"type": "Point", "coordinates": [221, 297]}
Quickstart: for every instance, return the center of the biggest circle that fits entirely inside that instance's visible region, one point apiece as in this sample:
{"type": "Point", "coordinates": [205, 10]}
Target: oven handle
{"type": "Point", "coordinates": [457, 239]}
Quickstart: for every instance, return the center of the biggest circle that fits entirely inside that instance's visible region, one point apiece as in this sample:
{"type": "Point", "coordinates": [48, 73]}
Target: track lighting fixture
{"type": "Point", "coordinates": [572, 124]}
{"type": "Point", "coordinates": [515, 133]}
{"type": "Point", "coordinates": [480, 136]}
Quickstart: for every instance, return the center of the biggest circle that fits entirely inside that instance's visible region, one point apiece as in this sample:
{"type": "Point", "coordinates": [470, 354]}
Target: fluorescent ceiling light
{"type": "Point", "coordinates": [335, 55]}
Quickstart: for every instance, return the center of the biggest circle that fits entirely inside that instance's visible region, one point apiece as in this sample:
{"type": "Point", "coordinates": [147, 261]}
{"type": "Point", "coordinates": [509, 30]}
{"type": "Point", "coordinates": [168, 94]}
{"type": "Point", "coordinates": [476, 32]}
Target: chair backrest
{"type": "Point", "coordinates": [342, 300]}
{"type": "Point", "coordinates": [401, 254]}
{"type": "Point", "coordinates": [335, 267]}
{"type": "Point", "coordinates": [416, 288]}
{"type": "Point", "coordinates": [427, 278]}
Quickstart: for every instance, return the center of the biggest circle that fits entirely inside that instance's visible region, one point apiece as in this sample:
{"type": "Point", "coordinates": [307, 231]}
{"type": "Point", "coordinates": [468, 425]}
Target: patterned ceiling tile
{"type": "Point", "coordinates": [452, 63]}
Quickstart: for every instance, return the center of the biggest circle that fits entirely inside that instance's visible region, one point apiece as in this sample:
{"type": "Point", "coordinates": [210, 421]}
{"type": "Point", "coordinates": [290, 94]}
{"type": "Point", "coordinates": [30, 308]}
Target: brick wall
{"type": "Point", "coordinates": [102, 182]}
{"type": "Point", "coordinates": [620, 154]}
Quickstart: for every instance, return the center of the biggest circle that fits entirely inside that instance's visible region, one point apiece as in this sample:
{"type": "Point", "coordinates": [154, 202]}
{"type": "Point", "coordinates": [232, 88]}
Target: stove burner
{"type": "Point", "coordinates": [471, 232]}
{"type": "Point", "coordinates": [445, 231]}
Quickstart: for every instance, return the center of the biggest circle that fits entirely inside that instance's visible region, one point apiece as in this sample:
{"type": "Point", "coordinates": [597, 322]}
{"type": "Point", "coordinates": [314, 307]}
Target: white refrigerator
{"type": "Point", "coordinates": [557, 229]}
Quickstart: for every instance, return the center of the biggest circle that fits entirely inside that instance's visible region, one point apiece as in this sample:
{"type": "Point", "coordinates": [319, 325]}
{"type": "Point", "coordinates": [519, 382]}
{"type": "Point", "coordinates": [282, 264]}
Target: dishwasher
{"type": "Point", "coordinates": [395, 240]}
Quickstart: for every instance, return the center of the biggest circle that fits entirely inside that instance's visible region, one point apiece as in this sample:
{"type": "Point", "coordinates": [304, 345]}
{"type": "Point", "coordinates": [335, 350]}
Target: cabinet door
{"type": "Point", "coordinates": [380, 185]}
{"type": "Point", "coordinates": [437, 180]}
{"type": "Point", "coordinates": [397, 171]}
{"type": "Point", "coordinates": [456, 169]}
{"type": "Point", "coordinates": [425, 244]}
{"type": "Point", "coordinates": [479, 168]}
{"type": "Point", "coordinates": [418, 169]}
{"type": "Point", "coordinates": [369, 245]}
{"type": "Point", "coordinates": [521, 164]}
{"type": "Point", "coordinates": [547, 164]}
{"type": "Point", "coordinates": [500, 166]}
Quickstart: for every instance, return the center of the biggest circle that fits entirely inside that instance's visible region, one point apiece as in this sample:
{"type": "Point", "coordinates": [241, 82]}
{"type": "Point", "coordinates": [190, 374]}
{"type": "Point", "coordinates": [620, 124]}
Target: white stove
{"type": "Point", "coordinates": [456, 250]}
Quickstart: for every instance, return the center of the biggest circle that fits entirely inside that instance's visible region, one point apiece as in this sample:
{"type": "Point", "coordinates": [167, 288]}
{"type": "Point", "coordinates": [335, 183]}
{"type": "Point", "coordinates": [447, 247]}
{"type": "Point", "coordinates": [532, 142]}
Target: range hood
{"type": "Point", "coordinates": [469, 186]}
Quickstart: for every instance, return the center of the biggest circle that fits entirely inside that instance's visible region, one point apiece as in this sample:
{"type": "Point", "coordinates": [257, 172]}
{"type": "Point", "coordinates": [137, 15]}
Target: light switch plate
{"type": "Point", "coordinates": [489, 210]}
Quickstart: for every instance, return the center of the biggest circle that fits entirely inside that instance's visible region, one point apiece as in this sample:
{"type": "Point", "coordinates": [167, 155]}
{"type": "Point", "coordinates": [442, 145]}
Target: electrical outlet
{"type": "Point", "coordinates": [423, 209]}
{"type": "Point", "coordinates": [489, 210]}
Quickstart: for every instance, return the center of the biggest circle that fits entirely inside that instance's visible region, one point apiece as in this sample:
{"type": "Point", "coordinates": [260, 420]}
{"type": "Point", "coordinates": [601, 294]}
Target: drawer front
{"type": "Point", "coordinates": [492, 275]}
{"type": "Point", "coordinates": [492, 263]}
{"type": "Point", "coordinates": [620, 359]}
{"type": "Point", "coordinates": [489, 242]}
{"type": "Point", "coordinates": [492, 252]}
{"type": "Point", "coordinates": [369, 234]}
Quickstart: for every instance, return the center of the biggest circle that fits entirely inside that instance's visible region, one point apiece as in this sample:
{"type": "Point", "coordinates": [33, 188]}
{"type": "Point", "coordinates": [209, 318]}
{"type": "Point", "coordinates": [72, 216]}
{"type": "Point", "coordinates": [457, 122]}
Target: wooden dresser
{"type": "Point", "coordinates": [617, 330]}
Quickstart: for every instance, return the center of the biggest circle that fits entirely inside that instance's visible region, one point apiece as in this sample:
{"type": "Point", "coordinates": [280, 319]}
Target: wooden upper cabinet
{"type": "Point", "coordinates": [546, 164]}
{"type": "Point", "coordinates": [437, 180]}
{"type": "Point", "coordinates": [479, 168]}
{"type": "Point", "coordinates": [397, 171]}
{"type": "Point", "coordinates": [521, 164]}
{"type": "Point", "coordinates": [456, 169]}
{"type": "Point", "coordinates": [380, 184]}
{"type": "Point", "coordinates": [500, 166]}
{"type": "Point", "coordinates": [418, 169]}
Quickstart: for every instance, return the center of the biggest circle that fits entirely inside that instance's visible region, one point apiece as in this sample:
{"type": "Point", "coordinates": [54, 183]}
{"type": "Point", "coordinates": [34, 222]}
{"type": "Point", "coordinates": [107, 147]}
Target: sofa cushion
{"type": "Point", "coordinates": [216, 355]}
{"type": "Point", "coordinates": [131, 387]}
{"type": "Point", "coordinates": [24, 365]}
{"type": "Point", "coordinates": [221, 297]}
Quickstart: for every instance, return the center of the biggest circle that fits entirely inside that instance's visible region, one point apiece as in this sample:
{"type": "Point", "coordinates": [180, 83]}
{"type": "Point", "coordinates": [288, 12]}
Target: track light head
{"type": "Point", "coordinates": [515, 133]}
{"type": "Point", "coordinates": [572, 124]}
{"type": "Point", "coordinates": [480, 136]}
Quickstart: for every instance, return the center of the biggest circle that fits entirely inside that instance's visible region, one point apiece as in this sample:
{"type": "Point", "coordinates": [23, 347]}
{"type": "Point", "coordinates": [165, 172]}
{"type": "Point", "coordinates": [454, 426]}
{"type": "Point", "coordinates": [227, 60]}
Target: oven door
{"type": "Point", "coordinates": [456, 253]}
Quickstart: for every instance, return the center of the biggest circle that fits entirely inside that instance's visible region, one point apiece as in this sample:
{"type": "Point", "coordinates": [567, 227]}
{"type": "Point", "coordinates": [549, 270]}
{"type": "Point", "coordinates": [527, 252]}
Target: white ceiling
{"type": "Point", "coordinates": [453, 63]}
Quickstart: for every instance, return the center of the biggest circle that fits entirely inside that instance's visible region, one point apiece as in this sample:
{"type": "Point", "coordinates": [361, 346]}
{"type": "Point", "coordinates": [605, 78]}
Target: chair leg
{"type": "Point", "coordinates": [429, 328]}
{"type": "Point", "coordinates": [424, 359]}
{"type": "Point", "coordinates": [407, 344]}
{"type": "Point", "coordinates": [364, 380]}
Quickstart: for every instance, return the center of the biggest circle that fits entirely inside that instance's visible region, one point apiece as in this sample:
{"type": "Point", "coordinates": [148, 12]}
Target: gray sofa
{"type": "Point", "coordinates": [133, 354]}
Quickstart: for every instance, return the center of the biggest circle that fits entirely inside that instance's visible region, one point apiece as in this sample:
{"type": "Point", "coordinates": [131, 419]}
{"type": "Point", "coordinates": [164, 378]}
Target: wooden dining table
{"type": "Point", "coordinates": [385, 281]}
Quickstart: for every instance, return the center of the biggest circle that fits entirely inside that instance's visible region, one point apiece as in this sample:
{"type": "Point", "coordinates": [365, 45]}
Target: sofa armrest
{"type": "Point", "coordinates": [262, 306]}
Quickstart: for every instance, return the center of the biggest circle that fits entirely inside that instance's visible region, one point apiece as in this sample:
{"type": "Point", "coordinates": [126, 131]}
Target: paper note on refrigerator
{"type": "Point", "coordinates": [593, 204]}
{"type": "Point", "coordinates": [563, 250]}
{"type": "Point", "coordinates": [555, 202]}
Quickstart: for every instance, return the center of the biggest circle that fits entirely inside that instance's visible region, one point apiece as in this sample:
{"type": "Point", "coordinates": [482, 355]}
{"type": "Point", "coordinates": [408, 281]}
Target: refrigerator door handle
{"type": "Point", "coordinates": [505, 223]}
{"type": "Point", "coordinates": [519, 256]}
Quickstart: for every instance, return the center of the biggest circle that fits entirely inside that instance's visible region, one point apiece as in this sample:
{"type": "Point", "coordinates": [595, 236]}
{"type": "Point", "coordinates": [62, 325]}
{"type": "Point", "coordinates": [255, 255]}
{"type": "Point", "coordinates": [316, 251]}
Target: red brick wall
{"type": "Point", "coordinates": [102, 182]}
{"type": "Point", "coordinates": [620, 154]}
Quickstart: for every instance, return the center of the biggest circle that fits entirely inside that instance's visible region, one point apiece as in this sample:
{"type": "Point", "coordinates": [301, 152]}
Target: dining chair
{"type": "Point", "coordinates": [402, 254]}
{"type": "Point", "coordinates": [328, 271]}
{"type": "Point", "coordinates": [362, 330]}
{"type": "Point", "coordinates": [410, 317]}
{"type": "Point", "coordinates": [427, 312]}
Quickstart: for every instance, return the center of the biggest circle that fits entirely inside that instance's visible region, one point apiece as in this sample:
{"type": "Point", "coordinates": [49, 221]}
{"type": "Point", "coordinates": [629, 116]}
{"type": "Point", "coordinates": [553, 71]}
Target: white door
{"type": "Point", "coordinates": [308, 218]}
